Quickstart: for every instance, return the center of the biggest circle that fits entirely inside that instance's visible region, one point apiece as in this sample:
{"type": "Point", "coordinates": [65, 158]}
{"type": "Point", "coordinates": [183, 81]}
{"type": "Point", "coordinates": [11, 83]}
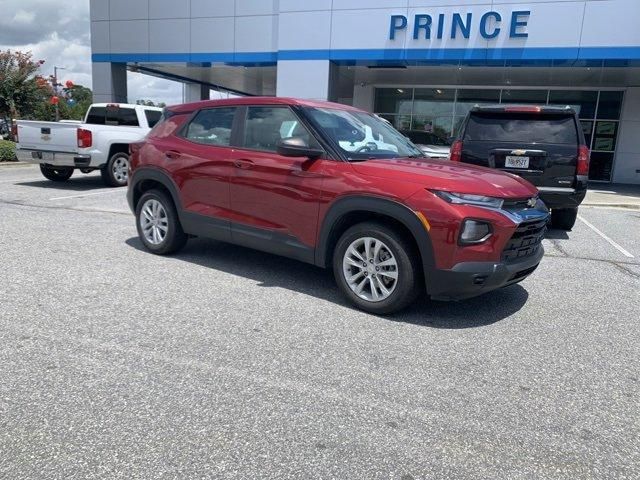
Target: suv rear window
{"type": "Point", "coordinates": [522, 128]}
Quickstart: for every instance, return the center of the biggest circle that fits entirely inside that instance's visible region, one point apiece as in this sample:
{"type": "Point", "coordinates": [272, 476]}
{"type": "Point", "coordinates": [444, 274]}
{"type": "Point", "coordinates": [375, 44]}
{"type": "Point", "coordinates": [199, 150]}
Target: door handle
{"type": "Point", "coordinates": [243, 164]}
{"type": "Point", "coordinates": [172, 154]}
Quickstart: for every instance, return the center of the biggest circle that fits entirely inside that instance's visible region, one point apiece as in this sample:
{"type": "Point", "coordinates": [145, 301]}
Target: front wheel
{"type": "Point", "coordinates": [116, 172]}
{"type": "Point", "coordinates": [158, 224]}
{"type": "Point", "coordinates": [563, 218]}
{"type": "Point", "coordinates": [56, 174]}
{"type": "Point", "coordinates": [376, 268]}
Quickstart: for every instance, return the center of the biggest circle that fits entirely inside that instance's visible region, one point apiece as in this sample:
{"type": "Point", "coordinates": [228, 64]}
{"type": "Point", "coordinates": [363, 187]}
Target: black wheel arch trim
{"type": "Point", "coordinates": [381, 206]}
{"type": "Point", "coordinates": [146, 173]}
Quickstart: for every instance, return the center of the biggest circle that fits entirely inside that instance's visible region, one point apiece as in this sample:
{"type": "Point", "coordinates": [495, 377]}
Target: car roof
{"type": "Point", "coordinates": [523, 108]}
{"type": "Point", "coordinates": [239, 101]}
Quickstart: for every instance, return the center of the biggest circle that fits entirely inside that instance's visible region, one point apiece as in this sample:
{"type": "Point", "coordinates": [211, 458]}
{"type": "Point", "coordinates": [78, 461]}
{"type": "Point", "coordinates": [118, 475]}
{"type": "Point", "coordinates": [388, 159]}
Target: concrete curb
{"type": "Point", "coordinates": [627, 206]}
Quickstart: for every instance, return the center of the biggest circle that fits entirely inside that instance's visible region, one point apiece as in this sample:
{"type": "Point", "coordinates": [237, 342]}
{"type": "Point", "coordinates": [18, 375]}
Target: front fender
{"type": "Point", "coordinates": [378, 205]}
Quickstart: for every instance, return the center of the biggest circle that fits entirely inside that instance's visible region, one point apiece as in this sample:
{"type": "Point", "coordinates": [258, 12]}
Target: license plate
{"type": "Point", "coordinates": [47, 156]}
{"type": "Point", "coordinates": [514, 161]}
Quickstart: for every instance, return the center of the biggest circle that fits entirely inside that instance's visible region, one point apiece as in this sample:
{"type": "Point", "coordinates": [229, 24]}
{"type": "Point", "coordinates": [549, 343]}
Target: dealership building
{"type": "Point", "coordinates": [422, 64]}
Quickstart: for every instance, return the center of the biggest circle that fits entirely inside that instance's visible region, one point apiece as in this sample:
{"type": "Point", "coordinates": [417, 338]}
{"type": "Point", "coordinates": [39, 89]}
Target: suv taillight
{"type": "Point", "coordinates": [455, 155]}
{"type": "Point", "coordinates": [583, 161]}
{"type": "Point", "coordinates": [14, 132]}
{"type": "Point", "coordinates": [85, 139]}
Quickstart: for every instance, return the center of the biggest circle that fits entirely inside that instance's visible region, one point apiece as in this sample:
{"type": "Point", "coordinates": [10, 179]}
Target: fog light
{"type": "Point", "coordinates": [474, 231]}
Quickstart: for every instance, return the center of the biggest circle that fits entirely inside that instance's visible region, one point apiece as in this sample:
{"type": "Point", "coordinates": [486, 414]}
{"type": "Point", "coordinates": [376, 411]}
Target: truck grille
{"type": "Point", "coordinates": [525, 241]}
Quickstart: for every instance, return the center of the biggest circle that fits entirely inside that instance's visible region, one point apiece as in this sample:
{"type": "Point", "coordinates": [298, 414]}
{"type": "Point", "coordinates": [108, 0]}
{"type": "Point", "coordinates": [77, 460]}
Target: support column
{"type": "Point", "coordinates": [194, 92]}
{"type": "Point", "coordinates": [626, 168]}
{"type": "Point", "coordinates": [308, 79]}
{"type": "Point", "coordinates": [109, 82]}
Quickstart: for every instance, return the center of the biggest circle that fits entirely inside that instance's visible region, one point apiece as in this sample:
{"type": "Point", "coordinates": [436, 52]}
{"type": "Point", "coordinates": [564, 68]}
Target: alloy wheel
{"type": "Point", "coordinates": [370, 269]}
{"type": "Point", "coordinates": [120, 170]}
{"type": "Point", "coordinates": [154, 222]}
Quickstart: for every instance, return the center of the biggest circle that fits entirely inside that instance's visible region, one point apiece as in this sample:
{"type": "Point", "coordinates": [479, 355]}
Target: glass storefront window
{"type": "Point", "coordinates": [399, 122]}
{"type": "Point", "coordinates": [442, 111]}
{"type": "Point", "coordinates": [601, 166]}
{"type": "Point", "coordinates": [393, 100]}
{"type": "Point", "coordinates": [583, 102]}
{"type": "Point", "coordinates": [433, 110]}
{"type": "Point", "coordinates": [538, 97]}
{"type": "Point", "coordinates": [441, 126]}
{"type": "Point", "coordinates": [467, 98]}
{"type": "Point", "coordinates": [609, 105]}
{"type": "Point", "coordinates": [605, 136]}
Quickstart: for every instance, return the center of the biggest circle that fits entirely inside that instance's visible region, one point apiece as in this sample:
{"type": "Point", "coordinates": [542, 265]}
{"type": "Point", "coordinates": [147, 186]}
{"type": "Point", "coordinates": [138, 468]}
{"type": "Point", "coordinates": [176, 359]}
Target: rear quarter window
{"type": "Point", "coordinates": [522, 128]}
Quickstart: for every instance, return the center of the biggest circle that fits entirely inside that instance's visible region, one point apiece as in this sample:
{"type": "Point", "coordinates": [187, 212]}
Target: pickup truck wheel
{"type": "Point", "coordinates": [56, 174]}
{"type": "Point", "coordinates": [376, 268]}
{"type": "Point", "coordinates": [158, 225]}
{"type": "Point", "coordinates": [563, 218]}
{"type": "Point", "coordinates": [116, 172]}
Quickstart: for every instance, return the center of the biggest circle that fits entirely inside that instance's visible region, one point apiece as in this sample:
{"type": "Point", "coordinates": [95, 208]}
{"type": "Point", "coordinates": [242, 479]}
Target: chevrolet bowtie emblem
{"type": "Point", "coordinates": [518, 152]}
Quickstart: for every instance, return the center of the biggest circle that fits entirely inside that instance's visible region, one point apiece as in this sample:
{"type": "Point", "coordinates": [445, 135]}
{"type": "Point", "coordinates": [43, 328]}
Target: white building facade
{"type": "Point", "coordinates": [418, 63]}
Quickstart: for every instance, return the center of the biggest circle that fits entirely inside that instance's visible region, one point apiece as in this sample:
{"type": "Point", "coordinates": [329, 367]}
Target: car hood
{"type": "Point", "coordinates": [434, 149]}
{"type": "Point", "coordinates": [448, 176]}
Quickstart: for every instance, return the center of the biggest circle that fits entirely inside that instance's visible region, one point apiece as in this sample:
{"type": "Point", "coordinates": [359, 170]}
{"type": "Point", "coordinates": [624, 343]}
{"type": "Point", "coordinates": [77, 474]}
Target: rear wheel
{"type": "Point", "coordinates": [56, 174]}
{"type": "Point", "coordinates": [116, 172]}
{"type": "Point", "coordinates": [376, 268]}
{"type": "Point", "coordinates": [563, 218]}
{"type": "Point", "coordinates": [158, 224]}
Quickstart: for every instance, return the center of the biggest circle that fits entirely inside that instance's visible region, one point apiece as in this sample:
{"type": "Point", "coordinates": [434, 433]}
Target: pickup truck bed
{"type": "Point", "coordinates": [100, 142]}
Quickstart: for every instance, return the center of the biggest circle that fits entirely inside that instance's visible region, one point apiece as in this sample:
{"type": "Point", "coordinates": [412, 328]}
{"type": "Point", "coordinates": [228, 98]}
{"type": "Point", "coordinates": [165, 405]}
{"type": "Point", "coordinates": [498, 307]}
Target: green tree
{"type": "Point", "coordinates": [150, 103]}
{"type": "Point", "coordinates": [20, 86]}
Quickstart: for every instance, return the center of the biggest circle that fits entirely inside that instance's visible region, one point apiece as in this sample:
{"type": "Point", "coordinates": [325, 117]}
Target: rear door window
{"type": "Point", "coordinates": [153, 117]}
{"type": "Point", "coordinates": [121, 116]}
{"type": "Point", "coordinates": [212, 126]}
{"type": "Point", "coordinates": [96, 115]}
{"type": "Point", "coordinates": [522, 128]}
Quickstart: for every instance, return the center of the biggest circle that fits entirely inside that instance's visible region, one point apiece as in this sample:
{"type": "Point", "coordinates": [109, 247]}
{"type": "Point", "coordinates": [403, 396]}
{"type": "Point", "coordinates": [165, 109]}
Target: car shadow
{"type": "Point", "coordinates": [81, 183]}
{"type": "Point", "coordinates": [274, 271]}
{"type": "Point", "coordinates": [556, 234]}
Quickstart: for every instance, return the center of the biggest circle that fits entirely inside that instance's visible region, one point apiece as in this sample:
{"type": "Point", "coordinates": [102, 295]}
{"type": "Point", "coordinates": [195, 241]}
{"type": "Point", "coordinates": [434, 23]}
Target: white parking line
{"type": "Point", "coordinates": [614, 244]}
{"type": "Point", "coordinates": [111, 190]}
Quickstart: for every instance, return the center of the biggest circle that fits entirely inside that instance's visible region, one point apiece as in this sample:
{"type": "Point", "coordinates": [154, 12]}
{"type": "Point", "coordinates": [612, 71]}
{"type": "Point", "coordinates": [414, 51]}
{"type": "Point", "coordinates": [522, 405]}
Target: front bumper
{"type": "Point", "coordinates": [469, 279]}
{"type": "Point", "coordinates": [57, 159]}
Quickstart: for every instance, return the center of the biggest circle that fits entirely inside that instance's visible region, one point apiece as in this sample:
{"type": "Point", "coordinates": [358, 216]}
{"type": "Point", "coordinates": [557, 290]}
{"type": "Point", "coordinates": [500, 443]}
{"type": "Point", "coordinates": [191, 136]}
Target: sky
{"type": "Point", "coordinates": [57, 31]}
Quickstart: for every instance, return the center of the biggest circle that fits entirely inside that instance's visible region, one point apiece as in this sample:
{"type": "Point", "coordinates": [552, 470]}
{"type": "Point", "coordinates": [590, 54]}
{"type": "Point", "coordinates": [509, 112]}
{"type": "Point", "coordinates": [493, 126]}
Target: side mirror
{"type": "Point", "coordinates": [297, 147]}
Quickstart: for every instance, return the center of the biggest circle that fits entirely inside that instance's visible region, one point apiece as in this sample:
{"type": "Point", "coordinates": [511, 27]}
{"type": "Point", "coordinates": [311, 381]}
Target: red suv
{"type": "Point", "coordinates": [336, 187]}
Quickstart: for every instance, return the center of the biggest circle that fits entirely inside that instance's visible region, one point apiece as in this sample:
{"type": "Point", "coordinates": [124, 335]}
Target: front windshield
{"type": "Point", "coordinates": [362, 136]}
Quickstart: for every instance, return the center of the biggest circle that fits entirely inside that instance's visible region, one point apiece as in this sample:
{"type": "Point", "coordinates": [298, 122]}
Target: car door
{"type": "Point", "coordinates": [274, 199]}
{"type": "Point", "coordinates": [201, 161]}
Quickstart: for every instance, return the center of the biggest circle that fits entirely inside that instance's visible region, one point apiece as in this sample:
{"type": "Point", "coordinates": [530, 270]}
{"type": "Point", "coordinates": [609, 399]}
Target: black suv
{"type": "Point", "coordinates": [543, 144]}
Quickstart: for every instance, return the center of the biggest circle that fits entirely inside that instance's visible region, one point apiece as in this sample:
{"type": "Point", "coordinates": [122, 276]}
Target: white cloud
{"type": "Point", "coordinates": [58, 32]}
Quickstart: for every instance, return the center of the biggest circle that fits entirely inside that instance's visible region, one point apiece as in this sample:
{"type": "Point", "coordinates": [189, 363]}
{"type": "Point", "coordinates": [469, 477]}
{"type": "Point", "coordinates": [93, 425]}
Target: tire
{"type": "Point", "coordinates": [56, 174]}
{"type": "Point", "coordinates": [147, 210]}
{"type": "Point", "coordinates": [116, 172]}
{"type": "Point", "coordinates": [401, 292]}
{"type": "Point", "coordinates": [563, 218]}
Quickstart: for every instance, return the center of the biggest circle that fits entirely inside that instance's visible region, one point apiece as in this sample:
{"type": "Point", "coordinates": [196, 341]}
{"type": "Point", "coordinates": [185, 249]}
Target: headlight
{"type": "Point", "coordinates": [474, 231]}
{"type": "Point", "coordinates": [469, 199]}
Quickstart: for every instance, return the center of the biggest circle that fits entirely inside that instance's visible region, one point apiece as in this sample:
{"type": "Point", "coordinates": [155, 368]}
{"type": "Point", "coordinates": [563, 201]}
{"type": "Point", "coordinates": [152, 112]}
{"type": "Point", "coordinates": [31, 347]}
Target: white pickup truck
{"type": "Point", "coordinates": [100, 142]}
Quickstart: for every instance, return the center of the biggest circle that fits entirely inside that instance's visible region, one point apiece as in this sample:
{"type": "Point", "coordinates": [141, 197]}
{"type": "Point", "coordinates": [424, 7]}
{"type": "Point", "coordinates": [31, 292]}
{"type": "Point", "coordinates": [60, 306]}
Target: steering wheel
{"type": "Point", "coordinates": [369, 147]}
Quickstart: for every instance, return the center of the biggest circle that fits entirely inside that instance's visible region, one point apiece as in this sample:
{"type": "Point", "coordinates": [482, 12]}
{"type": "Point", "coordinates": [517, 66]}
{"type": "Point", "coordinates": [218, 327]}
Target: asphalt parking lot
{"type": "Point", "coordinates": [222, 362]}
